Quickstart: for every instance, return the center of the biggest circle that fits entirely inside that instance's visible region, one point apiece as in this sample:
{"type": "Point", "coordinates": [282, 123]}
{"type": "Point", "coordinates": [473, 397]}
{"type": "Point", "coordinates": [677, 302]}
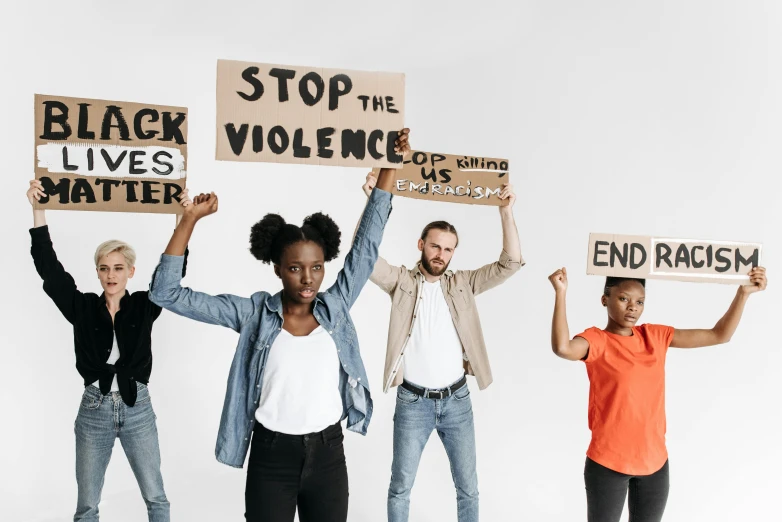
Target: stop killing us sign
{"type": "Point", "coordinates": [695, 260]}
{"type": "Point", "coordinates": [109, 156]}
{"type": "Point", "coordinates": [474, 180]}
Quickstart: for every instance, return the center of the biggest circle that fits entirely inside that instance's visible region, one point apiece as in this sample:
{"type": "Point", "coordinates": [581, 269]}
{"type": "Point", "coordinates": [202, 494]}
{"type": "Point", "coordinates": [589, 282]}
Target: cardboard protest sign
{"type": "Point", "coordinates": [455, 179]}
{"type": "Point", "coordinates": [693, 260]}
{"type": "Point", "coordinates": [109, 156]}
{"type": "Point", "coordinates": [291, 114]}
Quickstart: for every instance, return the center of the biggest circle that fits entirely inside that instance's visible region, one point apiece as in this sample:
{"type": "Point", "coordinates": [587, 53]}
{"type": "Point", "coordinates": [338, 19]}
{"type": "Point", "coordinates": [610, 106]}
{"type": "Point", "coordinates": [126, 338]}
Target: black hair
{"type": "Point", "coordinates": [440, 225]}
{"type": "Point", "coordinates": [272, 235]}
{"type": "Point", "coordinates": [616, 281]}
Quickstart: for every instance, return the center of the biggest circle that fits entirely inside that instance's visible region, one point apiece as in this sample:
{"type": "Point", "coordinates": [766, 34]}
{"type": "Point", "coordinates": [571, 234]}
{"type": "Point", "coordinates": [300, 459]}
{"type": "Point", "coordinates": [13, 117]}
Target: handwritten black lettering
{"type": "Point", "coordinates": [248, 75]}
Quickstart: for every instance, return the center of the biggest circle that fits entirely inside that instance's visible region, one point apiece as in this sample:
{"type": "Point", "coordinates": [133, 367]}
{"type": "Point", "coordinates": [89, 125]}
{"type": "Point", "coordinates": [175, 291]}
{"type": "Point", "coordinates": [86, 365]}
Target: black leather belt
{"type": "Point", "coordinates": [435, 394]}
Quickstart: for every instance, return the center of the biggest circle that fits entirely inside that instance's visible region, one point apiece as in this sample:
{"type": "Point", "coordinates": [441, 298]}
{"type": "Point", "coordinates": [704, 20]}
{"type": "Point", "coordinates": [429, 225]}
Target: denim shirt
{"type": "Point", "coordinates": [258, 320]}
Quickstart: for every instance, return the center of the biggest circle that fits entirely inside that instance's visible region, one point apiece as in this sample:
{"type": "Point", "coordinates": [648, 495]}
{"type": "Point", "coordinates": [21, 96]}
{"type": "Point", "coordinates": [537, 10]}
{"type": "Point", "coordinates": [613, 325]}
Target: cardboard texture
{"type": "Point", "coordinates": [435, 176]}
{"type": "Point", "coordinates": [308, 115]}
{"type": "Point", "coordinates": [693, 260]}
{"type": "Point", "coordinates": [109, 156]}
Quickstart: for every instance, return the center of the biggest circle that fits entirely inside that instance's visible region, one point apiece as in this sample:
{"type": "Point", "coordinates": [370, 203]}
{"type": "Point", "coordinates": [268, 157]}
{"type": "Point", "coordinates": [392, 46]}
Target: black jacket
{"type": "Point", "coordinates": [93, 330]}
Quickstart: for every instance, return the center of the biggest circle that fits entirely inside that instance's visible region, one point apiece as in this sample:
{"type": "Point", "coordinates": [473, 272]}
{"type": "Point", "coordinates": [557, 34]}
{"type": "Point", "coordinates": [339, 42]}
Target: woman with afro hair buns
{"type": "Point", "coordinates": [297, 371]}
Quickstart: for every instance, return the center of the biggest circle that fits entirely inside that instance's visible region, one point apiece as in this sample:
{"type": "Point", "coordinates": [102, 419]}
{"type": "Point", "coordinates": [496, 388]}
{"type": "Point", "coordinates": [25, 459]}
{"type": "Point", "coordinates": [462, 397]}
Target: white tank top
{"type": "Point", "coordinates": [433, 358]}
{"type": "Point", "coordinates": [300, 391]}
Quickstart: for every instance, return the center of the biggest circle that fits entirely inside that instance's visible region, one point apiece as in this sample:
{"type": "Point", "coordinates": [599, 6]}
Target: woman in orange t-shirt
{"type": "Point", "coordinates": [626, 368]}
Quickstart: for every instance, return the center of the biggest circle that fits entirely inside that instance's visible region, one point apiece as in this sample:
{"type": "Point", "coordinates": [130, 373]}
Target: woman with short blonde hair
{"type": "Point", "coordinates": [113, 344]}
{"type": "Point", "coordinates": [115, 245]}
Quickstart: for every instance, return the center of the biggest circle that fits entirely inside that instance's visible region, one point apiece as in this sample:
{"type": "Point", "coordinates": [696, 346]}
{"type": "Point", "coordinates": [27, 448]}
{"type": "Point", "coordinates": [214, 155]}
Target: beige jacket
{"type": "Point", "coordinates": [459, 288]}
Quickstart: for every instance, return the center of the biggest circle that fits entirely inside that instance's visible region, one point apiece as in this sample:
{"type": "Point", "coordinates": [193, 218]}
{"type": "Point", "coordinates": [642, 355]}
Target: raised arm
{"type": "Point", "coordinates": [57, 283]}
{"type": "Point", "coordinates": [726, 326]}
{"type": "Point", "coordinates": [384, 275]}
{"type": "Point", "coordinates": [363, 253]}
{"type": "Point", "coordinates": [35, 193]}
{"type": "Point", "coordinates": [561, 343]}
{"type": "Point", "coordinates": [166, 290]}
{"type": "Point", "coordinates": [510, 234]}
{"type": "Point", "coordinates": [510, 261]}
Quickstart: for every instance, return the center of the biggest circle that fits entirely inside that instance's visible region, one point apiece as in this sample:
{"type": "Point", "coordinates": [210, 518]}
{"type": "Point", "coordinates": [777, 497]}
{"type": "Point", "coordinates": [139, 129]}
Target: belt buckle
{"type": "Point", "coordinates": [438, 392]}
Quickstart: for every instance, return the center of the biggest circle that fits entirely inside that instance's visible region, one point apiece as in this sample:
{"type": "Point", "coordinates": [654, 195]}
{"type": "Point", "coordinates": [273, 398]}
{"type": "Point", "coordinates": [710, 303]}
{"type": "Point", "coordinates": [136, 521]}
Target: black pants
{"type": "Point", "coordinates": [606, 492]}
{"type": "Point", "coordinates": [290, 471]}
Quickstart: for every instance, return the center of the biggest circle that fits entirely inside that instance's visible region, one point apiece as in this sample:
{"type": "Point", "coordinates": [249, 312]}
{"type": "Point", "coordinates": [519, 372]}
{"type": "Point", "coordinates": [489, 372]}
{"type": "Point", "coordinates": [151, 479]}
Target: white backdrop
{"type": "Point", "coordinates": [659, 118]}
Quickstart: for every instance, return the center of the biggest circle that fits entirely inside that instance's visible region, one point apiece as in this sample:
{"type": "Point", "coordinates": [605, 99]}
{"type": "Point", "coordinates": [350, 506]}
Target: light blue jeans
{"type": "Point", "coordinates": [414, 420]}
{"type": "Point", "coordinates": [101, 420]}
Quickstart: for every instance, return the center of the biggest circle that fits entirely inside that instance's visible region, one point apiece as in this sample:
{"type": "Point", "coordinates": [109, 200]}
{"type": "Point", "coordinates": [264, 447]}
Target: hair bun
{"type": "Point", "coordinates": [263, 234]}
{"type": "Point", "coordinates": [328, 231]}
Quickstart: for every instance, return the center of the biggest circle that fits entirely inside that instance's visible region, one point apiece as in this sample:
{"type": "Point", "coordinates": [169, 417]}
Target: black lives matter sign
{"type": "Point", "coordinates": [694, 260]}
{"type": "Point", "coordinates": [108, 155]}
{"type": "Point", "coordinates": [291, 114]}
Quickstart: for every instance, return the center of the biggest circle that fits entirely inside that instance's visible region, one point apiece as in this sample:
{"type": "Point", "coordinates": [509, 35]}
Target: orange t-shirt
{"type": "Point", "coordinates": [627, 398]}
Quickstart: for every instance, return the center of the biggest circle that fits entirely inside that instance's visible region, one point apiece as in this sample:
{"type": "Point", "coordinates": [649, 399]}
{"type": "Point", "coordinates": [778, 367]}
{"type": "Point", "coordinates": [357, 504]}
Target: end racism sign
{"type": "Point", "coordinates": [110, 156]}
{"type": "Point", "coordinates": [451, 178]}
{"type": "Point", "coordinates": [291, 114]}
{"type": "Point", "coordinates": [677, 259]}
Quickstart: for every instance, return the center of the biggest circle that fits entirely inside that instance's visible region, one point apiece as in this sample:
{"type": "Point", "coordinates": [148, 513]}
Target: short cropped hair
{"type": "Point", "coordinates": [115, 245]}
{"type": "Point", "coordinates": [440, 225]}
{"type": "Point", "coordinates": [616, 281]}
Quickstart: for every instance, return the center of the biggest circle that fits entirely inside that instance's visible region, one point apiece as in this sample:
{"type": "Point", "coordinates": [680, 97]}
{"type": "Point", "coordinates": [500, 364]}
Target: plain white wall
{"type": "Point", "coordinates": [629, 117]}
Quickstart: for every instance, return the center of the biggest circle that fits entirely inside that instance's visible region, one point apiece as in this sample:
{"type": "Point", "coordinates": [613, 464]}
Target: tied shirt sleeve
{"type": "Point", "coordinates": [595, 338]}
{"type": "Point", "coordinates": [57, 283]}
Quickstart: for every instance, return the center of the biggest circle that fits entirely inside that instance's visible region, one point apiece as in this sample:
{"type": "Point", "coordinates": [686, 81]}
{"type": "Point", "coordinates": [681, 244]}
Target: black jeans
{"type": "Point", "coordinates": [290, 471]}
{"type": "Point", "coordinates": [607, 489]}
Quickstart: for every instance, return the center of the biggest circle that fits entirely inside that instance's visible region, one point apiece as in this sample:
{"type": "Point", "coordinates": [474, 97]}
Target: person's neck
{"type": "Point", "coordinates": [429, 277]}
{"type": "Point", "coordinates": [112, 302]}
{"type": "Point", "coordinates": [298, 309]}
{"type": "Point", "coordinates": [618, 329]}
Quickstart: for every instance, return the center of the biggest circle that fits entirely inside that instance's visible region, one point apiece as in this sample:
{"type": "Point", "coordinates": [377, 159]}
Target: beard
{"type": "Point", "coordinates": [436, 270]}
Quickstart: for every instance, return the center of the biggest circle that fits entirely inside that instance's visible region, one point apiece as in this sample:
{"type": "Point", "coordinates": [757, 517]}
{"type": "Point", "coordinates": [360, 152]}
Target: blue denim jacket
{"type": "Point", "coordinates": [258, 319]}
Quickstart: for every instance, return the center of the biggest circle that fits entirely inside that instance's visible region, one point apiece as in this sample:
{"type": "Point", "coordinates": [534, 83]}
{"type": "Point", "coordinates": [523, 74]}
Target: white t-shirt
{"type": "Point", "coordinates": [300, 392]}
{"type": "Point", "coordinates": [433, 357]}
{"type": "Point", "coordinates": [113, 356]}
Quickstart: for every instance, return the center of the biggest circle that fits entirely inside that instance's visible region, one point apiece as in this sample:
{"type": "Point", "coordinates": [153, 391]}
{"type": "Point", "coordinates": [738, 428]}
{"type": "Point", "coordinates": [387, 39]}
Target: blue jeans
{"type": "Point", "coordinates": [414, 420]}
{"type": "Point", "coordinates": [101, 420]}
